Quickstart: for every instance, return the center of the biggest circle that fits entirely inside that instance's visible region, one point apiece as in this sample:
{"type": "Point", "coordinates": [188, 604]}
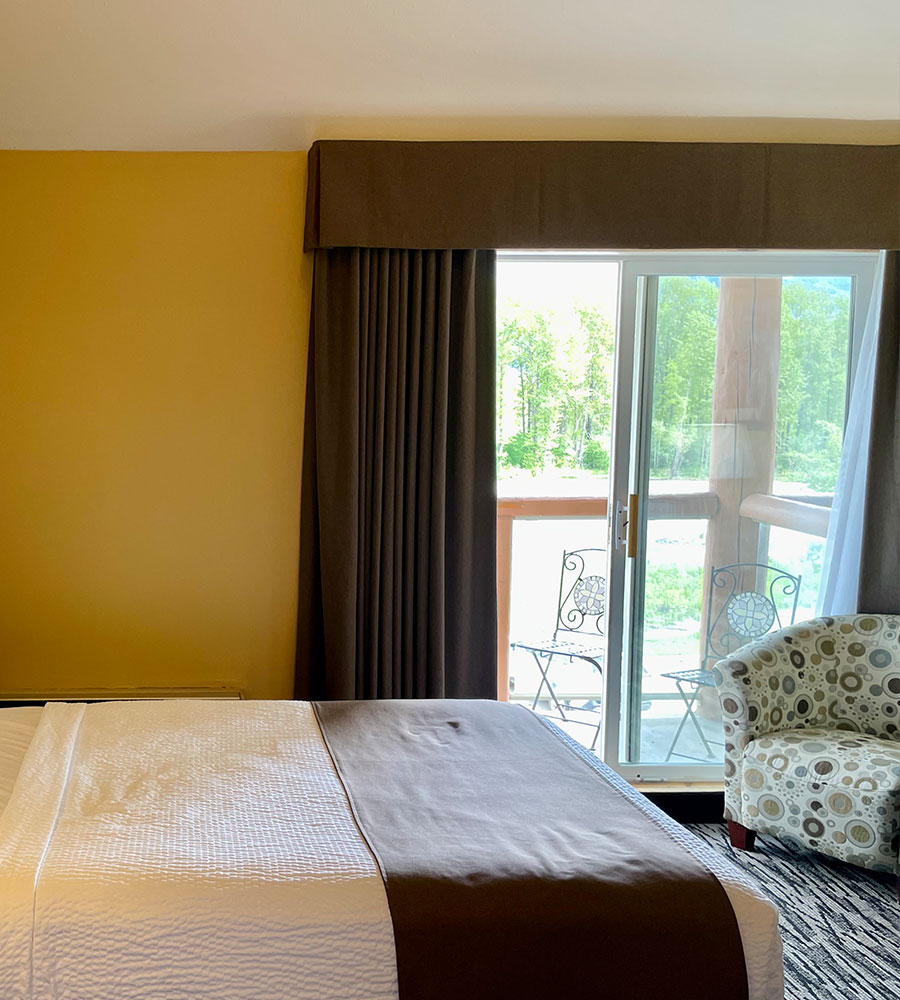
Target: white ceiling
{"type": "Point", "coordinates": [273, 74]}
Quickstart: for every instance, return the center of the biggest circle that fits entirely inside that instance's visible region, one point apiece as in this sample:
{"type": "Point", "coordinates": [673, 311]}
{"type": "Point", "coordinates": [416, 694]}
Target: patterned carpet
{"type": "Point", "coordinates": [840, 924]}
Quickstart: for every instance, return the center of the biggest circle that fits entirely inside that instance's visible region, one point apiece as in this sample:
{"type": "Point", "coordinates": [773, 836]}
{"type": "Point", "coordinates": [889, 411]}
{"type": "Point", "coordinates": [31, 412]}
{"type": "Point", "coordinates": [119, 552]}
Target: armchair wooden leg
{"type": "Point", "coordinates": [740, 837]}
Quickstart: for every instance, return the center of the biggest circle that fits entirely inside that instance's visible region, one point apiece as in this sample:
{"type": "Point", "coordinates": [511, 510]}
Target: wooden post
{"type": "Point", "coordinates": [742, 449]}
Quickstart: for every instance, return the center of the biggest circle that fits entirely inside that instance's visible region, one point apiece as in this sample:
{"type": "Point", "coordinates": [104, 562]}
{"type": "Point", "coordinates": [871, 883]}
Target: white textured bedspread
{"type": "Point", "coordinates": [205, 850]}
{"type": "Point", "coordinates": [187, 849]}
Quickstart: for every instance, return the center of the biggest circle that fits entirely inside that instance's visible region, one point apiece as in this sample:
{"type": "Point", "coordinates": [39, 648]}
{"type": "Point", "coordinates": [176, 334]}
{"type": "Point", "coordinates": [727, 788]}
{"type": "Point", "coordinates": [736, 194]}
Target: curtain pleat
{"type": "Point", "coordinates": [398, 574]}
{"type": "Point", "coordinates": [879, 570]}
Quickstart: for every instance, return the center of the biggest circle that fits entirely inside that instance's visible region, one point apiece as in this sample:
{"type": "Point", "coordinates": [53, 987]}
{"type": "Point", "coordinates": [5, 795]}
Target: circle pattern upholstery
{"type": "Point", "coordinates": [811, 716]}
{"type": "Point", "coordinates": [832, 787]}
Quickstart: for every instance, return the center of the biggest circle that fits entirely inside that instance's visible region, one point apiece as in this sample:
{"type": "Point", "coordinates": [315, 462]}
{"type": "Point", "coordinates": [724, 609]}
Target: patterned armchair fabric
{"type": "Point", "coordinates": [812, 736]}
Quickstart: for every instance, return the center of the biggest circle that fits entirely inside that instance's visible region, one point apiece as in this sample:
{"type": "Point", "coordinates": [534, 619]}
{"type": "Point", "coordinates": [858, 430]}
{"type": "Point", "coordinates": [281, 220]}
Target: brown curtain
{"type": "Point", "coordinates": [879, 570]}
{"type": "Point", "coordinates": [398, 521]}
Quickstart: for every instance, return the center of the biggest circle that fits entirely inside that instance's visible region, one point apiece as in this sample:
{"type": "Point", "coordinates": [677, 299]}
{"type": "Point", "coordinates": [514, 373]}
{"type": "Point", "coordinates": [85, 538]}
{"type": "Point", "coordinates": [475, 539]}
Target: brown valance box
{"type": "Point", "coordinates": [603, 195]}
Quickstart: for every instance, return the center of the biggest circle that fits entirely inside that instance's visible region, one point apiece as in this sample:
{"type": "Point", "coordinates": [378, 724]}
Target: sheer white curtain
{"type": "Point", "coordinates": [840, 573]}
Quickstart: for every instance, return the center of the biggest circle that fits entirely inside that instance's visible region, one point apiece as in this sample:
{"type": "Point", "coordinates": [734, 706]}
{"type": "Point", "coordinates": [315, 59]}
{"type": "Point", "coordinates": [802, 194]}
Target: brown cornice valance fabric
{"type": "Point", "coordinates": [603, 195]}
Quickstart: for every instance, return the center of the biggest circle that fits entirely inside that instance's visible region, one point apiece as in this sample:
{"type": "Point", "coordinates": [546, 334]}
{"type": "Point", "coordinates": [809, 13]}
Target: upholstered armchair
{"type": "Point", "coordinates": [812, 738]}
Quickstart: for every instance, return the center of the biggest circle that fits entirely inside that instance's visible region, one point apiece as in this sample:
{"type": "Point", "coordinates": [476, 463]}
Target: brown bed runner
{"type": "Point", "coordinates": [514, 869]}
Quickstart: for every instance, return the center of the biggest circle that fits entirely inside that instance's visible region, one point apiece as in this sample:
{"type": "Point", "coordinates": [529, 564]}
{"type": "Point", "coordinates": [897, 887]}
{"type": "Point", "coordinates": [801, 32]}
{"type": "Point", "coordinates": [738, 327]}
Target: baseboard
{"type": "Point", "coordinates": [13, 698]}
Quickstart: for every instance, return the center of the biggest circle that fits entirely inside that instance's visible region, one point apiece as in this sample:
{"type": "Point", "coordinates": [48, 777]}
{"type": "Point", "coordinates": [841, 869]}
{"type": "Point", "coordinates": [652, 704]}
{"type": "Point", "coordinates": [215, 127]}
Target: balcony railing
{"type": "Point", "coordinates": [804, 514]}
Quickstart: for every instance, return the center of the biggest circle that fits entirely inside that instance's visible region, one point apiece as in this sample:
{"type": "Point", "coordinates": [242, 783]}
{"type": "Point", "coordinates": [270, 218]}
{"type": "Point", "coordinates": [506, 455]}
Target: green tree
{"type": "Point", "coordinates": [561, 388]}
{"type": "Point", "coordinates": [683, 370]}
{"type": "Point", "coordinates": [557, 373]}
{"type": "Point", "coordinates": [586, 407]}
{"type": "Point", "coordinates": [815, 325]}
{"type": "Point", "coordinates": [527, 347]}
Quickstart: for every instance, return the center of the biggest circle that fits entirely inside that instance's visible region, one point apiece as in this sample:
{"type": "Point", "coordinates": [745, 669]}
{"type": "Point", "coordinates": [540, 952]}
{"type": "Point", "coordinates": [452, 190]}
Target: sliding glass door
{"type": "Point", "coordinates": [669, 435]}
{"type": "Point", "coordinates": [731, 394]}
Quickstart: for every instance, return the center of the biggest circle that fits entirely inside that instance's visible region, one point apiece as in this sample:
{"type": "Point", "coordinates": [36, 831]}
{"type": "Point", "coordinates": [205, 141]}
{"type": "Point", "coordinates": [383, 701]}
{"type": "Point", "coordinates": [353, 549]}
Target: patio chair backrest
{"type": "Point", "coordinates": [581, 607]}
{"type": "Point", "coordinates": [742, 614]}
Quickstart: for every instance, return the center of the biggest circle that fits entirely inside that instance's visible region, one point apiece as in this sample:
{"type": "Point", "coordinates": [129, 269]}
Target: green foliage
{"type": "Point", "coordinates": [561, 389]}
{"type": "Point", "coordinates": [672, 594]}
{"type": "Point", "coordinates": [596, 457]}
{"type": "Point", "coordinates": [683, 368]}
{"type": "Point", "coordinates": [555, 383]}
{"type": "Point", "coordinates": [523, 452]}
{"type": "Point", "coordinates": [812, 380]}
{"type": "Point", "coordinates": [809, 568]}
{"type": "Point", "coordinates": [530, 350]}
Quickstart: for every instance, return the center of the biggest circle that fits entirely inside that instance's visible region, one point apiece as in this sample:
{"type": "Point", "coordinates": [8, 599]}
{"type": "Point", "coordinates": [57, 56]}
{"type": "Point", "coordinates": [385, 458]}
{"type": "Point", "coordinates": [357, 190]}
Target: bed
{"type": "Point", "coordinates": [350, 851]}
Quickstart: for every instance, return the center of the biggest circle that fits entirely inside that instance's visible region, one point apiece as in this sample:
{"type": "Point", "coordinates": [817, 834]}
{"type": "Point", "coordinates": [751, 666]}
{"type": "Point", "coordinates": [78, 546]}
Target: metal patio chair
{"type": "Point", "coordinates": [743, 615]}
{"type": "Point", "coordinates": [580, 611]}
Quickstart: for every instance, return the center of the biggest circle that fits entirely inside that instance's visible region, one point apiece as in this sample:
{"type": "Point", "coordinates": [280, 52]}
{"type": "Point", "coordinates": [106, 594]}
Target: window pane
{"type": "Point", "coordinates": [555, 343]}
{"type": "Point", "coordinates": [812, 384]}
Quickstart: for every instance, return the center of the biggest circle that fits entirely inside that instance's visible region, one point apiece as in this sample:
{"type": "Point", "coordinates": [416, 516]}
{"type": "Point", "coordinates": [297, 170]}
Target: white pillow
{"type": "Point", "coordinates": [17, 726]}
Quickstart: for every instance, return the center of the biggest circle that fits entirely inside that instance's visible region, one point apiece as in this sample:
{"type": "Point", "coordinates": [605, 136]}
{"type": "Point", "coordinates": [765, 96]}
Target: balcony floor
{"type": "Point", "coordinates": [658, 726]}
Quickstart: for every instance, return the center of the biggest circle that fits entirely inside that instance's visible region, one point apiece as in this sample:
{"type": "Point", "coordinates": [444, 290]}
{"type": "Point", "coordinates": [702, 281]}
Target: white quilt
{"type": "Point", "coordinates": [187, 849]}
{"type": "Point", "coordinates": [205, 850]}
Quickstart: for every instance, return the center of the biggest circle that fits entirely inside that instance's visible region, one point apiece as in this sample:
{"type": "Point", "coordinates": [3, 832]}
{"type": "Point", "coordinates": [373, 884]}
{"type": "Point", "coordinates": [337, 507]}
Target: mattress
{"type": "Point", "coordinates": [223, 831]}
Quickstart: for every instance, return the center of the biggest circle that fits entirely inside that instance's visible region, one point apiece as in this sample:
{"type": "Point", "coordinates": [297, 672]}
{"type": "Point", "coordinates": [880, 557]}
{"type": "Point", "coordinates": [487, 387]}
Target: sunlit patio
{"type": "Point", "coordinates": [534, 532]}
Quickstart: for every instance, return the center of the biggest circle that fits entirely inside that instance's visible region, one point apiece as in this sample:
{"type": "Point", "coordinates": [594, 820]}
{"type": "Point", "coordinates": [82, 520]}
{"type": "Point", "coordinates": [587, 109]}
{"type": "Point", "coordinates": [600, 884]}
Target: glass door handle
{"type": "Point", "coordinates": [632, 526]}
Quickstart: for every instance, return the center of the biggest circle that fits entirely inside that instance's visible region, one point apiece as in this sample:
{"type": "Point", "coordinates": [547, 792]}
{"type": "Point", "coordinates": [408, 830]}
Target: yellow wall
{"type": "Point", "coordinates": [153, 323]}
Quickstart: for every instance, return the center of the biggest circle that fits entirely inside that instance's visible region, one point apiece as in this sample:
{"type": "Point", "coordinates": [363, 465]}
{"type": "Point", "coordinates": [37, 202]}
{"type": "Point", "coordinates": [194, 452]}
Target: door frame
{"type": "Point", "coordinates": [632, 398]}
